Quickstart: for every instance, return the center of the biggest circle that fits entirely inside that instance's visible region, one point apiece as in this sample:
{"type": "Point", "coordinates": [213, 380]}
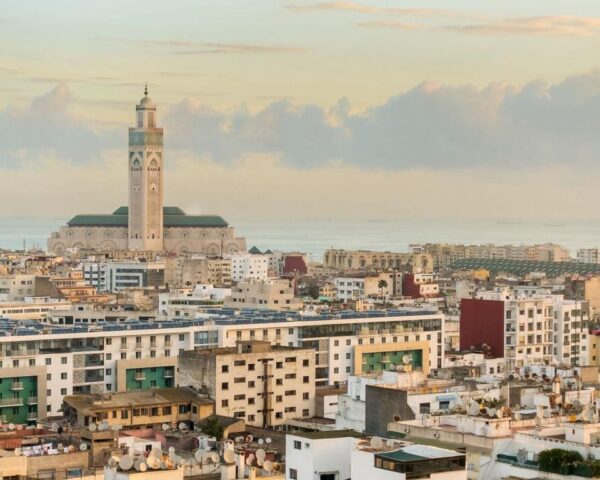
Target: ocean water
{"type": "Point", "coordinates": [313, 236]}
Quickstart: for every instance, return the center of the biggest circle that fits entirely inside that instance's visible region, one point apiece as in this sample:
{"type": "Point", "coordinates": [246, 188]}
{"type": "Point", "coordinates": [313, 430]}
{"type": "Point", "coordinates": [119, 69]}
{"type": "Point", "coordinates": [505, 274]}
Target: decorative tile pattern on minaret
{"type": "Point", "coordinates": [145, 230]}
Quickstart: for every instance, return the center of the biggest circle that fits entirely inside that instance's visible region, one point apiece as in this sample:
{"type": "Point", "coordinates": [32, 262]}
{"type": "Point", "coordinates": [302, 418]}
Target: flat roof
{"type": "Point", "coordinates": [321, 435]}
{"type": "Point", "coordinates": [522, 267]}
{"type": "Point", "coordinates": [89, 403]}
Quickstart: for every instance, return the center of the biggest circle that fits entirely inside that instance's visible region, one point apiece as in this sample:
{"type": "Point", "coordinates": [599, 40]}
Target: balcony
{"type": "Point", "coordinates": [168, 374]}
{"type": "Point", "coordinates": [139, 377]}
{"type": "Point", "coordinates": [32, 401]}
{"type": "Point", "coordinates": [32, 416]}
{"type": "Point", "coordinates": [11, 402]}
{"type": "Point", "coordinates": [124, 347]}
{"type": "Point", "coordinates": [16, 386]}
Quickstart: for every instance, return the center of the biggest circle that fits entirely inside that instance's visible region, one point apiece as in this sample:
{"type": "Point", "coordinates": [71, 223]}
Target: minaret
{"type": "Point", "coordinates": [146, 179]}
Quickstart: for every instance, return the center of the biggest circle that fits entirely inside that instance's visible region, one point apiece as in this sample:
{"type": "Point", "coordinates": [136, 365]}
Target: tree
{"type": "Point", "coordinates": [213, 428]}
{"type": "Point", "coordinates": [382, 285]}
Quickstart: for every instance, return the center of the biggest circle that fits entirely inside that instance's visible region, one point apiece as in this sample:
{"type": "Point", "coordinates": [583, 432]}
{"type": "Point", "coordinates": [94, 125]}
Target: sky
{"type": "Point", "coordinates": [462, 109]}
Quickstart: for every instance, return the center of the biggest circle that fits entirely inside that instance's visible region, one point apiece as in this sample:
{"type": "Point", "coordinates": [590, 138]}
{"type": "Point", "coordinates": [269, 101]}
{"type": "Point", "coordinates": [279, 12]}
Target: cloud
{"type": "Point", "coordinates": [345, 6]}
{"type": "Point", "coordinates": [46, 128]}
{"type": "Point", "coordinates": [393, 24]}
{"type": "Point", "coordinates": [549, 25]}
{"type": "Point", "coordinates": [186, 47]}
{"type": "Point", "coordinates": [432, 126]}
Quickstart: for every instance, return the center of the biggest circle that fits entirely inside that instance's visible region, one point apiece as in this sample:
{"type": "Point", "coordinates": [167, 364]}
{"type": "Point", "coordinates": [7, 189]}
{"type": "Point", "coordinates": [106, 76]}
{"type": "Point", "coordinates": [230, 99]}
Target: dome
{"type": "Point", "coordinates": [145, 101]}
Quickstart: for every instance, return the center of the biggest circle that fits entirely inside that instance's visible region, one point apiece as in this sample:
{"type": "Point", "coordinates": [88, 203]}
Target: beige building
{"type": "Point", "coordinates": [266, 385]}
{"type": "Point", "coordinates": [146, 224]}
{"type": "Point", "coordinates": [585, 289]}
{"type": "Point", "coordinates": [138, 409]}
{"type": "Point", "coordinates": [275, 294]}
{"type": "Point", "coordinates": [366, 259]}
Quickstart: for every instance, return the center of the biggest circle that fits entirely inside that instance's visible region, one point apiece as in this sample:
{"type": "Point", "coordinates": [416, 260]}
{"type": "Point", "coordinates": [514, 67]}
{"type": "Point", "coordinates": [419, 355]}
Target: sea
{"type": "Point", "coordinates": [313, 236]}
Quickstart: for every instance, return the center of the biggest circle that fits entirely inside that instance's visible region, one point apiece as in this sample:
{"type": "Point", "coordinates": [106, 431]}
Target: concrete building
{"type": "Point", "coordinates": [540, 328]}
{"type": "Point", "coordinates": [343, 454]}
{"type": "Point", "coordinates": [17, 287]}
{"type": "Point", "coordinates": [263, 384]}
{"type": "Point", "coordinates": [248, 266]}
{"type": "Point", "coordinates": [350, 288]}
{"type": "Point", "coordinates": [191, 302]}
{"type": "Point", "coordinates": [365, 259]}
{"type": "Point", "coordinates": [36, 308]}
{"type": "Point", "coordinates": [147, 225]}
{"type": "Point", "coordinates": [584, 288]}
{"type": "Point", "coordinates": [275, 294]}
{"type": "Point", "coordinates": [117, 276]}
{"type": "Point", "coordinates": [136, 409]}
{"type": "Point", "coordinates": [588, 255]}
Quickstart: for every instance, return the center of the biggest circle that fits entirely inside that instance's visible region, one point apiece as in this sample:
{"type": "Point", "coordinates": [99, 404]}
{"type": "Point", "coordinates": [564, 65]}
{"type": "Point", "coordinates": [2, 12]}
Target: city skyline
{"type": "Point", "coordinates": [380, 98]}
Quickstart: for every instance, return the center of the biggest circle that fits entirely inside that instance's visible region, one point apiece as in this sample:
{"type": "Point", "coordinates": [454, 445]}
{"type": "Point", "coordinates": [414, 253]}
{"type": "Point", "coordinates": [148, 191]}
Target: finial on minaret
{"type": "Point", "coordinates": [146, 89]}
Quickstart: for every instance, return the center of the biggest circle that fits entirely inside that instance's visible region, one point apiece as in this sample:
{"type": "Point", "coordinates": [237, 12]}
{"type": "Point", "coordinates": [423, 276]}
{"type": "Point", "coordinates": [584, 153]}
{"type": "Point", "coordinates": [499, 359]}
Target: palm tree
{"type": "Point", "coordinates": [382, 284]}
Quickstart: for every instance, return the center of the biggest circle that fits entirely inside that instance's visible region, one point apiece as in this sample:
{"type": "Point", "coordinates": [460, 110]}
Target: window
{"type": "Point", "coordinates": [63, 376]}
{"type": "Point", "coordinates": [124, 414]}
{"type": "Point", "coordinates": [63, 391]}
{"type": "Point", "coordinates": [167, 353]}
{"type": "Point", "coordinates": [108, 389]}
{"type": "Point", "coordinates": [306, 412]}
{"type": "Point", "coordinates": [181, 337]}
{"type": "Point", "coordinates": [48, 361]}
{"type": "Point", "coordinates": [32, 362]}
{"type": "Point", "coordinates": [251, 366]}
{"type": "Point", "coordinates": [109, 341]}
{"type": "Point", "coordinates": [241, 396]}
{"type": "Point", "coordinates": [305, 396]}
{"type": "Point", "coordinates": [225, 386]}
{"type": "Point", "coordinates": [225, 369]}
{"type": "Point", "coordinates": [123, 355]}
{"type": "Point", "coordinates": [63, 360]}
{"type": "Point", "coordinates": [109, 356]}
{"type": "Point", "coordinates": [239, 379]}
{"type": "Point", "coordinates": [293, 474]}
{"type": "Point", "coordinates": [138, 354]}
{"type": "Point", "coordinates": [279, 365]}
{"type": "Point", "coordinates": [251, 384]}
{"type": "Point", "coordinates": [49, 376]}
{"type": "Point", "coordinates": [297, 445]}
{"type": "Point", "coordinates": [166, 410]}
{"type": "Point", "coordinates": [305, 363]}
{"type": "Point", "coordinates": [305, 379]}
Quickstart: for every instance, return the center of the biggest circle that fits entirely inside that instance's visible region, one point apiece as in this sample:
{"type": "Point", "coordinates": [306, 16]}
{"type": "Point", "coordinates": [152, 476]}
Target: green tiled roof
{"type": "Point", "coordinates": [402, 456]}
{"type": "Point", "coordinates": [523, 267]}
{"type": "Point", "coordinates": [172, 217]}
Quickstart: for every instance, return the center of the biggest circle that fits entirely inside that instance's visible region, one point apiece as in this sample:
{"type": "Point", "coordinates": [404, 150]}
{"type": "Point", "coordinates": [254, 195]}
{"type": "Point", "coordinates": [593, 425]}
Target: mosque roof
{"type": "Point", "coordinates": [172, 217]}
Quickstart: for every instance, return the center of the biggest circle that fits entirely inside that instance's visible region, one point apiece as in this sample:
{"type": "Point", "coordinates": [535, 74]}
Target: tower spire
{"type": "Point", "coordinates": [146, 90]}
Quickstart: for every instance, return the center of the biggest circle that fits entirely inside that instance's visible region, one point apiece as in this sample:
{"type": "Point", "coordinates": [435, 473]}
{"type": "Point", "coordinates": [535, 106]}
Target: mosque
{"type": "Point", "coordinates": [147, 225]}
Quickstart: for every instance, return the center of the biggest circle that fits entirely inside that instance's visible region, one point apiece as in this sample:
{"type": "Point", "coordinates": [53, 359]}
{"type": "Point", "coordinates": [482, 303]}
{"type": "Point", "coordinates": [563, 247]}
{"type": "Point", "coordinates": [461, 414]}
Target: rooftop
{"type": "Point", "coordinates": [172, 217]}
{"type": "Point", "coordinates": [87, 404]}
{"type": "Point", "coordinates": [523, 267]}
{"type": "Point", "coordinates": [323, 435]}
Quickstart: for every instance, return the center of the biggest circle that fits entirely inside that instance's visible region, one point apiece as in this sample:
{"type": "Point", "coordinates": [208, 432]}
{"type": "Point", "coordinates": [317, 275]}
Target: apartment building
{"type": "Point", "coordinates": [191, 302]}
{"type": "Point", "coordinates": [32, 308]}
{"type": "Point", "coordinates": [138, 409]}
{"type": "Point", "coordinates": [263, 384]}
{"type": "Point", "coordinates": [117, 276]}
{"type": "Point", "coordinates": [588, 255]}
{"type": "Point", "coordinates": [17, 287]}
{"type": "Point", "coordinates": [538, 328]}
{"type": "Point", "coordinates": [384, 284]}
{"type": "Point", "coordinates": [248, 266]}
{"type": "Point", "coordinates": [115, 352]}
{"type": "Point", "coordinates": [274, 294]}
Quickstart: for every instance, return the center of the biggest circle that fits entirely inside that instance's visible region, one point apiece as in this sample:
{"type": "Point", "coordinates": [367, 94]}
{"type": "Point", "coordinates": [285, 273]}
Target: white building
{"type": "Point", "coordinates": [191, 302]}
{"type": "Point", "coordinates": [248, 266]}
{"type": "Point", "coordinates": [274, 294]}
{"type": "Point", "coordinates": [341, 455]}
{"type": "Point", "coordinates": [588, 255]}
{"type": "Point", "coordinates": [116, 276]}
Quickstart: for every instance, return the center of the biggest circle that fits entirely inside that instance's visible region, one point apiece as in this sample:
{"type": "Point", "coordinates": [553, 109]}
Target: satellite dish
{"type": "Point", "coordinates": [390, 443]}
{"type": "Point", "coordinates": [239, 439]}
{"type": "Point", "coordinates": [83, 447]}
{"type": "Point", "coordinates": [11, 426]}
{"type": "Point", "coordinates": [249, 460]}
{"type": "Point", "coordinates": [182, 426]}
{"type": "Point", "coordinates": [268, 440]}
{"type": "Point", "coordinates": [112, 462]}
{"type": "Point", "coordinates": [406, 359]}
{"type": "Point", "coordinates": [268, 466]}
{"type": "Point", "coordinates": [171, 451]}
{"type": "Point", "coordinates": [214, 457]}
{"type": "Point", "coordinates": [229, 456]}
{"type": "Point", "coordinates": [518, 416]}
{"type": "Point", "coordinates": [17, 452]}
{"type": "Point", "coordinates": [199, 455]}
{"type": "Point", "coordinates": [165, 427]}
{"type": "Point", "coordinates": [143, 467]}
{"type": "Point", "coordinates": [261, 454]}
{"type": "Point", "coordinates": [376, 442]}
{"type": "Point", "coordinates": [499, 413]}
{"type": "Point", "coordinates": [105, 425]}
{"type": "Point", "coordinates": [249, 438]}
{"type": "Point", "coordinates": [155, 452]}
{"type": "Point", "coordinates": [276, 466]}
{"type": "Point", "coordinates": [169, 464]}
{"type": "Point", "coordinates": [153, 462]}
{"type": "Point", "coordinates": [92, 427]}
{"type": "Point", "coordinates": [261, 441]}
{"type": "Point", "coordinates": [125, 462]}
